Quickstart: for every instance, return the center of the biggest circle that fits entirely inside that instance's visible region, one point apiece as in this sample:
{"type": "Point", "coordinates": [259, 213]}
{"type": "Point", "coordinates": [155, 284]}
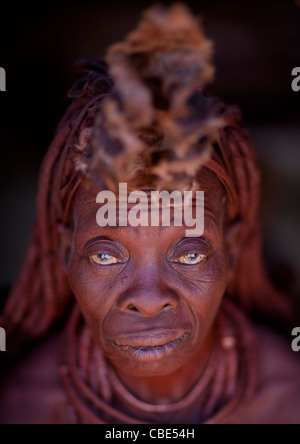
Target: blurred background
{"type": "Point", "coordinates": [257, 44]}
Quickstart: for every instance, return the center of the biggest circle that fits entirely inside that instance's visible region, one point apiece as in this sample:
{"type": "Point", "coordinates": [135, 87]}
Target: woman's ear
{"type": "Point", "coordinates": [65, 239]}
{"type": "Point", "coordinates": [233, 239]}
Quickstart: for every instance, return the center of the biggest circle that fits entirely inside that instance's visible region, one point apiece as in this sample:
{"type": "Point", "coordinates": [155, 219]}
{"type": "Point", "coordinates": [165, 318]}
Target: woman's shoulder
{"type": "Point", "coordinates": [32, 392]}
{"type": "Point", "coordinates": [278, 397]}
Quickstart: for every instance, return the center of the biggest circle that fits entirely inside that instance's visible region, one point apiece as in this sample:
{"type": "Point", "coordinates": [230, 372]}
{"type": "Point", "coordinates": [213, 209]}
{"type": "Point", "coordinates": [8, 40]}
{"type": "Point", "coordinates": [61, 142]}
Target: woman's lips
{"type": "Point", "coordinates": [154, 347]}
{"type": "Point", "coordinates": [149, 338]}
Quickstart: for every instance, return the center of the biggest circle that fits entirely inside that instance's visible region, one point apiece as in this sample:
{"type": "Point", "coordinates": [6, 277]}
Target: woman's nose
{"type": "Point", "coordinates": [148, 301]}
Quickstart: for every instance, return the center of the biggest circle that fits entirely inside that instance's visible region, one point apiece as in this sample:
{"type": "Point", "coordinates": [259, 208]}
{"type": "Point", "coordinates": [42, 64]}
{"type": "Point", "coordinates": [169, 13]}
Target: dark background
{"type": "Point", "coordinates": [257, 44]}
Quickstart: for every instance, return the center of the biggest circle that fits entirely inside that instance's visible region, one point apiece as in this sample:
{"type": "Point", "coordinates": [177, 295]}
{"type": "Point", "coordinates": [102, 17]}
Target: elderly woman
{"type": "Point", "coordinates": [159, 325]}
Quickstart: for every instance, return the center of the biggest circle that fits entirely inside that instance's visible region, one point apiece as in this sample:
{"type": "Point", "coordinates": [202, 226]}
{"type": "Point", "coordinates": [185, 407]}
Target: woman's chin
{"type": "Point", "coordinates": [144, 368]}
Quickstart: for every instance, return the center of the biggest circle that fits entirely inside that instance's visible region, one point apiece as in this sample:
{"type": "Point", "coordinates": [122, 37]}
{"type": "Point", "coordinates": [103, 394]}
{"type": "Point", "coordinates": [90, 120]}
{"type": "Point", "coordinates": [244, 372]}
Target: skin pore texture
{"type": "Point", "coordinates": [151, 296]}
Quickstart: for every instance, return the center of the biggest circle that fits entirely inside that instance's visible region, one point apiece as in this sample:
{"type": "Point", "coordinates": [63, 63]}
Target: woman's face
{"type": "Point", "coordinates": [149, 294]}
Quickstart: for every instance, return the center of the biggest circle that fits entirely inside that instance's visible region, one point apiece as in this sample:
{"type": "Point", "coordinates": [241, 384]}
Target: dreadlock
{"type": "Point", "coordinates": [142, 117]}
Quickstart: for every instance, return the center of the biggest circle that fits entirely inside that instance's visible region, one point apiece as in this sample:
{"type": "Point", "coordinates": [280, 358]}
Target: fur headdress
{"type": "Point", "coordinates": [157, 118]}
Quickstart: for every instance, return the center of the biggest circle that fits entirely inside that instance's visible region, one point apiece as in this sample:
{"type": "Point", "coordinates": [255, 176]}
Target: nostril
{"type": "Point", "coordinates": [132, 307]}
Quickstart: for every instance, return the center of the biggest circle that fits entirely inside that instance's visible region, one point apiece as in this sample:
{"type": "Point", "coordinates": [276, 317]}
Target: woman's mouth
{"type": "Point", "coordinates": [143, 352]}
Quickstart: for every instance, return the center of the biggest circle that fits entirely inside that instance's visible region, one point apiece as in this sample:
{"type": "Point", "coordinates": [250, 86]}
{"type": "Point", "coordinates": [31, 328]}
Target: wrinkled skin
{"type": "Point", "coordinates": [148, 297]}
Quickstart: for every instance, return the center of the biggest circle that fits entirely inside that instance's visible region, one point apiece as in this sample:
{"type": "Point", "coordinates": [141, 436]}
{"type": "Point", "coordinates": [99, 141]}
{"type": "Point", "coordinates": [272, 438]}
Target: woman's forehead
{"type": "Point", "coordinates": [86, 208]}
{"type": "Point", "coordinates": [207, 181]}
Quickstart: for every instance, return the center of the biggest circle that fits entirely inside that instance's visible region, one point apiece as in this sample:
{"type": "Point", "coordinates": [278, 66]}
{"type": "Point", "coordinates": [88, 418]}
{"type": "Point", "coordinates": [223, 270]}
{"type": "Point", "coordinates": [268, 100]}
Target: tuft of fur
{"type": "Point", "coordinates": [156, 122]}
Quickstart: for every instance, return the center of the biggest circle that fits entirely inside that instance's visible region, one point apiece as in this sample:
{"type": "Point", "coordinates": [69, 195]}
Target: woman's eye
{"type": "Point", "coordinates": [104, 259]}
{"type": "Point", "coordinates": [191, 258]}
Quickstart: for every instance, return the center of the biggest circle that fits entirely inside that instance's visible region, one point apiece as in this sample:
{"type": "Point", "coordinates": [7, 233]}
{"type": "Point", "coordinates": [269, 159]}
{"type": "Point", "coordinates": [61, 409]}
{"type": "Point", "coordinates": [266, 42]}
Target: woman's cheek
{"type": "Point", "coordinates": [91, 286]}
{"type": "Point", "coordinates": [87, 293]}
{"type": "Point", "coordinates": [82, 282]}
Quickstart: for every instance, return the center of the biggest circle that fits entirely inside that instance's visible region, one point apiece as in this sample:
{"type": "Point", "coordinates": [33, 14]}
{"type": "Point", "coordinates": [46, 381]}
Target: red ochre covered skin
{"type": "Point", "coordinates": [150, 338]}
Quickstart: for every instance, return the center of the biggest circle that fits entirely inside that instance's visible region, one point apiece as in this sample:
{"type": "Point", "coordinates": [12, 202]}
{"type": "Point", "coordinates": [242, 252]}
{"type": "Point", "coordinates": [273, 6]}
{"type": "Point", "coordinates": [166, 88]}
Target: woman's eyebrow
{"type": "Point", "coordinates": [97, 239]}
{"type": "Point", "coordinates": [201, 240]}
